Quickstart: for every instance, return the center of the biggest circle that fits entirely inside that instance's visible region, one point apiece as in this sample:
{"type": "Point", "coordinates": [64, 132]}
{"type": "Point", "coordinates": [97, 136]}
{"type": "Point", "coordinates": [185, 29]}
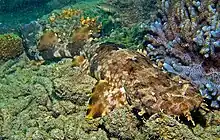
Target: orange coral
{"type": "Point", "coordinates": [88, 21]}
{"type": "Point", "coordinates": [91, 22]}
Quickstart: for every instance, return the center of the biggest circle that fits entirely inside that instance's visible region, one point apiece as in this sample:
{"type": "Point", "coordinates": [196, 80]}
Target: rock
{"type": "Point", "coordinates": [167, 128]}
{"type": "Point", "coordinates": [73, 85]}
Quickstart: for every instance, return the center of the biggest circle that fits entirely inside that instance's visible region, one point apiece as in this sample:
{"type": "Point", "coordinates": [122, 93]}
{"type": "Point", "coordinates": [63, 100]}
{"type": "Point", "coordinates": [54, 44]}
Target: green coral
{"type": "Point", "coordinates": [10, 46]}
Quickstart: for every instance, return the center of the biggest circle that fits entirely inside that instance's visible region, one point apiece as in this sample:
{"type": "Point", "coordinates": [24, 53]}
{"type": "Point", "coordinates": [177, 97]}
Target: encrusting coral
{"type": "Point", "coordinates": [185, 38]}
{"type": "Point", "coordinates": [128, 77]}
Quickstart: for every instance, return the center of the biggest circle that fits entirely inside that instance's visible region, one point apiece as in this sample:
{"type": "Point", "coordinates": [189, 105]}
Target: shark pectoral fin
{"type": "Point", "coordinates": [95, 111]}
{"type": "Point", "coordinates": [188, 116]}
{"type": "Point", "coordinates": [78, 61]}
{"type": "Point", "coordinates": [97, 104]}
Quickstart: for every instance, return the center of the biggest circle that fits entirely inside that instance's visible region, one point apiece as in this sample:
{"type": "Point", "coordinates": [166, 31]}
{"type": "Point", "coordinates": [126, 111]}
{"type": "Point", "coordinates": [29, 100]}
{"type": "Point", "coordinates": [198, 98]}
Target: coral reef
{"type": "Point", "coordinates": [60, 34]}
{"type": "Point", "coordinates": [136, 100]}
{"type": "Point", "coordinates": [211, 123]}
{"type": "Point", "coordinates": [35, 109]}
{"type": "Point", "coordinates": [122, 124]}
{"type": "Point", "coordinates": [167, 128]}
{"type": "Point", "coordinates": [50, 102]}
{"type": "Point", "coordinates": [10, 46]}
{"type": "Point", "coordinates": [185, 38]}
{"type": "Point", "coordinates": [64, 14]}
{"type": "Point", "coordinates": [77, 93]}
{"type": "Point", "coordinates": [127, 77]}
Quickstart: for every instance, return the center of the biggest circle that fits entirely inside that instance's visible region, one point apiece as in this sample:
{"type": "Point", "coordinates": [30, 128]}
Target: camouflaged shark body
{"type": "Point", "coordinates": [128, 77]}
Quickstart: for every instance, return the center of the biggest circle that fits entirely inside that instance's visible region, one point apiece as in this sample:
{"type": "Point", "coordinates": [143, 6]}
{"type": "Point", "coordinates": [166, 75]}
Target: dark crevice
{"type": "Point", "coordinates": [112, 135]}
{"type": "Point", "coordinates": [102, 126]}
{"type": "Point", "coordinates": [26, 106]}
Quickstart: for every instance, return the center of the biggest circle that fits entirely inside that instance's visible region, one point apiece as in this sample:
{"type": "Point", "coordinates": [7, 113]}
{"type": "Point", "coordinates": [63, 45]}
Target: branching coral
{"type": "Point", "coordinates": [186, 36]}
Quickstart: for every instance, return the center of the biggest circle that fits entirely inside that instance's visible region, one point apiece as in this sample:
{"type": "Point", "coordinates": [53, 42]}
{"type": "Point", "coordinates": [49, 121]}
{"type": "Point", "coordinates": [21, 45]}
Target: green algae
{"type": "Point", "coordinates": [129, 37]}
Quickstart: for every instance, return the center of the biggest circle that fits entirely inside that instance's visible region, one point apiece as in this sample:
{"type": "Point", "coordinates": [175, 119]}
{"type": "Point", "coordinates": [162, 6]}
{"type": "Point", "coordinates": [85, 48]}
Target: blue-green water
{"type": "Point", "coordinates": [17, 13]}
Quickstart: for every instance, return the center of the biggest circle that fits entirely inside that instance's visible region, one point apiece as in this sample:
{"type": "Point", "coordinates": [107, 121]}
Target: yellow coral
{"type": "Point", "coordinates": [65, 14]}
{"type": "Point", "coordinates": [92, 22]}
{"type": "Point", "coordinates": [69, 13]}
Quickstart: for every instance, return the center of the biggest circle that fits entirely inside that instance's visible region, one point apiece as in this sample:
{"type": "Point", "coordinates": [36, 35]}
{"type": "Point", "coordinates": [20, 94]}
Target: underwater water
{"type": "Point", "coordinates": [16, 13]}
{"type": "Point", "coordinates": [109, 69]}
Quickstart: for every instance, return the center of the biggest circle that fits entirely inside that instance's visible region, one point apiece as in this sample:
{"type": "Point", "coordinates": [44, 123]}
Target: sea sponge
{"type": "Point", "coordinates": [81, 34]}
{"type": "Point", "coordinates": [10, 46]}
{"type": "Point", "coordinates": [47, 40]}
{"type": "Point", "coordinates": [89, 28]}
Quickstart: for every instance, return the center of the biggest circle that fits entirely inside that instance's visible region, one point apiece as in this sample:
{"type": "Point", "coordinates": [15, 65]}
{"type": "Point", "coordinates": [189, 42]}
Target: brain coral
{"type": "Point", "coordinates": [10, 46]}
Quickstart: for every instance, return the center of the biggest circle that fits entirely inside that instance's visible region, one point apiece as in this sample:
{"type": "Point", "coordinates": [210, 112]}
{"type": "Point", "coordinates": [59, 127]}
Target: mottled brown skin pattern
{"type": "Point", "coordinates": [132, 77]}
